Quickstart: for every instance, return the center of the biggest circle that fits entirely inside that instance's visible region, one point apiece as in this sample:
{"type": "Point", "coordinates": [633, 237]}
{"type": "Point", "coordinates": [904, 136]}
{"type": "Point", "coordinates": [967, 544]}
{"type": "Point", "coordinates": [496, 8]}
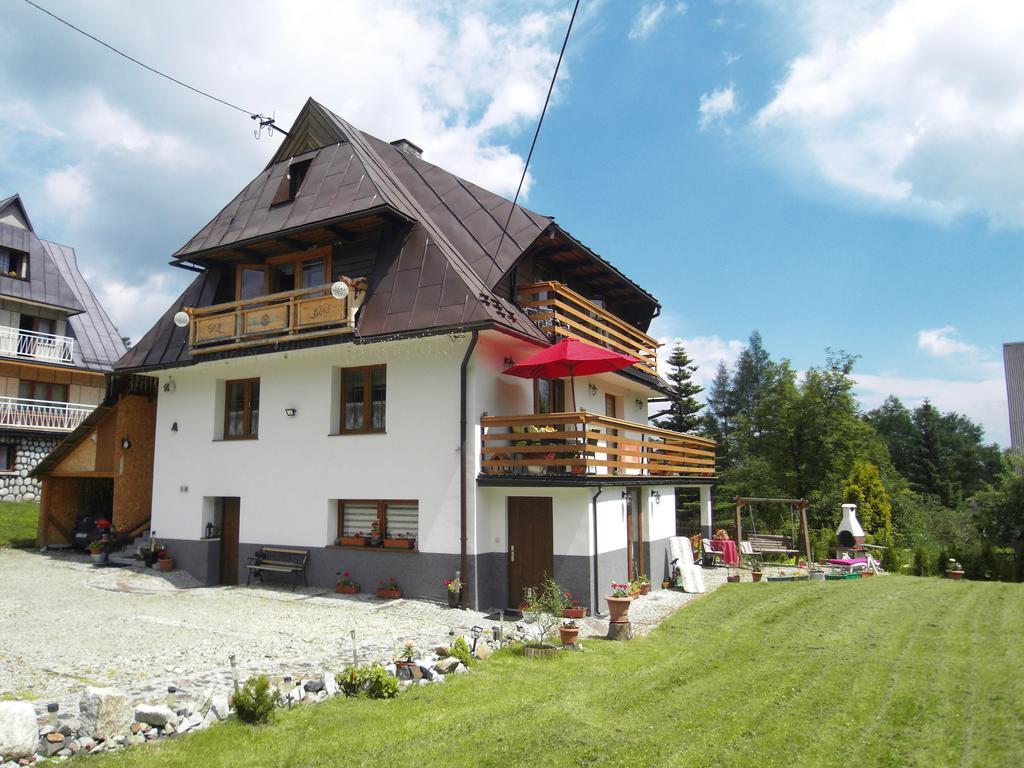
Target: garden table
{"type": "Point", "coordinates": [730, 554]}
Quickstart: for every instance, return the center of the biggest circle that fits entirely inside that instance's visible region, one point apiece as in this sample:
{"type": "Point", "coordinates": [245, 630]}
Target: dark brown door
{"type": "Point", "coordinates": [634, 535]}
{"type": "Point", "coordinates": [531, 554]}
{"type": "Point", "coordinates": [229, 541]}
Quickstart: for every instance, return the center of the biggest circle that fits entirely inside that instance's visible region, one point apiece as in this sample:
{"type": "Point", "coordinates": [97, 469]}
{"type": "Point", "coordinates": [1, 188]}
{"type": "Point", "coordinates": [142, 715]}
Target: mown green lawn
{"type": "Point", "coordinates": [18, 522]}
{"type": "Point", "coordinates": [891, 671]}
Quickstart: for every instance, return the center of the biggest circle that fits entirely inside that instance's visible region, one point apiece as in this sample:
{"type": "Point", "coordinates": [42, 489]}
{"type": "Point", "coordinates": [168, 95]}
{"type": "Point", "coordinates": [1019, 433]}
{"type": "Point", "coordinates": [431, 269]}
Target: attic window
{"type": "Point", "coordinates": [13, 263]}
{"type": "Point", "coordinates": [291, 181]}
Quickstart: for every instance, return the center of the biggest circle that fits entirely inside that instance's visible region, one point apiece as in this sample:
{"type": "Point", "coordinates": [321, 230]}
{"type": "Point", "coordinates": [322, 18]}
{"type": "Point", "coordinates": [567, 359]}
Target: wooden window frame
{"type": "Point", "coordinates": [238, 278]}
{"type": "Point", "coordinates": [382, 517]}
{"type": "Point", "coordinates": [367, 428]}
{"type": "Point", "coordinates": [23, 272]}
{"type": "Point", "coordinates": [246, 410]}
{"type": "Point", "coordinates": [558, 393]}
{"type": "Point", "coordinates": [48, 385]}
{"type": "Point", "coordinates": [11, 457]}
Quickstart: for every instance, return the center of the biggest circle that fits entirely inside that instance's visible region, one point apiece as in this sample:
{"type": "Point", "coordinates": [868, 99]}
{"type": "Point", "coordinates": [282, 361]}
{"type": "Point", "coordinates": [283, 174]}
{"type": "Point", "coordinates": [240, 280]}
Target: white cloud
{"type": "Point", "coordinates": [21, 116]}
{"type": "Point", "coordinates": [106, 127]}
{"type": "Point", "coordinates": [133, 307]}
{"type": "Point", "coordinates": [68, 190]}
{"type": "Point", "coordinates": [915, 103]}
{"type": "Point", "coordinates": [944, 342]}
{"type": "Point", "coordinates": [706, 352]}
{"type": "Point", "coordinates": [982, 401]}
{"type": "Point", "coordinates": [714, 107]}
{"type": "Point", "coordinates": [648, 17]}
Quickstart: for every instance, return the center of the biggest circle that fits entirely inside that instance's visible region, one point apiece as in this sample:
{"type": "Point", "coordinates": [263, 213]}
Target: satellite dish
{"type": "Point", "coordinates": [339, 290]}
{"type": "Point", "coordinates": [181, 319]}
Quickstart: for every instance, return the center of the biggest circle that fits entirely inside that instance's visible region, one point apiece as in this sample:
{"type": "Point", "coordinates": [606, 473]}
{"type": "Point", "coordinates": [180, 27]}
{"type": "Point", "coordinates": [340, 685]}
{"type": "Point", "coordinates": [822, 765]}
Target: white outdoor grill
{"type": "Point", "coordinates": [849, 534]}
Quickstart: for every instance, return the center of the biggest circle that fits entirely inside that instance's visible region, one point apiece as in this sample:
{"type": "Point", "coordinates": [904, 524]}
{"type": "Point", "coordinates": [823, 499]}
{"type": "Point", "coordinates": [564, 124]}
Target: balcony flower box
{"type": "Point", "coordinates": [399, 543]}
{"type": "Point", "coordinates": [353, 541]}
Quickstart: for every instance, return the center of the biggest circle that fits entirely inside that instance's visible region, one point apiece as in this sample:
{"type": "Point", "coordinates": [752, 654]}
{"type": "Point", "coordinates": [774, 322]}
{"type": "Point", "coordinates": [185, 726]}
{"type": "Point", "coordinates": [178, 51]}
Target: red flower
{"type": "Point", "coordinates": [345, 574]}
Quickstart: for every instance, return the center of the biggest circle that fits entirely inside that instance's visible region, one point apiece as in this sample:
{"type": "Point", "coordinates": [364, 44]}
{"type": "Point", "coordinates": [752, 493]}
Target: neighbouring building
{"type": "Point", "coordinates": [56, 344]}
{"type": "Point", "coordinates": [334, 374]}
{"type": "Point", "coordinates": [1013, 365]}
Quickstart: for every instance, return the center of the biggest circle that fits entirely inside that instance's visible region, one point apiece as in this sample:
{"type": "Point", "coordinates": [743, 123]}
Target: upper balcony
{"type": "Point", "coordinates": [41, 415]}
{"type": "Point", "coordinates": [15, 342]}
{"type": "Point", "coordinates": [562, 313]}
{"type": "Point", "coordinates": [291, 315]}
{"type": "Point", "coordinates": [591, 445]}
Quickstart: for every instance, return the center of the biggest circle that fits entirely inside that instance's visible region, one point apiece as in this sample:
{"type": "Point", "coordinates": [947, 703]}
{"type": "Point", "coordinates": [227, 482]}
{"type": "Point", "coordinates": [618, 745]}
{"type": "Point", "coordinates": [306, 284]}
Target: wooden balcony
{"type": "Point", "coordinates": [41, 415]}
{"type": "Point", "coordinates": [564, 314]}
{"type": "Point", "coordinates": [15, 342]}
{"type": "Point", "coordinates": [589, 444]}
{"type": "Point", "coordinates": [301, 314]}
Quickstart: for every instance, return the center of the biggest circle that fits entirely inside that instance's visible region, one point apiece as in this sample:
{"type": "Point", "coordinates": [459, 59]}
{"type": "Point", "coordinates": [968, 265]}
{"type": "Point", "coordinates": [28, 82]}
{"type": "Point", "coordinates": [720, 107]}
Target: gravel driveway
{"type": "Point", "coordinates": [65, 624]}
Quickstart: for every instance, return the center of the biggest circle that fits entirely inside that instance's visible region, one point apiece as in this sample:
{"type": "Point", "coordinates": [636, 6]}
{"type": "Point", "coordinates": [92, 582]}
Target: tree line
{"type": "Point", "coordinates": [927, 485]}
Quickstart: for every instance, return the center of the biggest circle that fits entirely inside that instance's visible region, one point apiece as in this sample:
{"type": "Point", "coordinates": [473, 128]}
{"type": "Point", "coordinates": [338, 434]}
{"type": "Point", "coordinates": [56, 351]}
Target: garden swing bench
{"type": "Point", "coordinates": [756, 545]}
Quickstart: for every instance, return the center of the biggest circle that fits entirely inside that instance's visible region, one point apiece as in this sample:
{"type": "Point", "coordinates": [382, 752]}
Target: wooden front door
{"type": "Point", "coordinates": [531, 554]}
{"type": "Point", "coordinates": [635, 565]}
{"type": "Point", "coordinates": [229, 541]}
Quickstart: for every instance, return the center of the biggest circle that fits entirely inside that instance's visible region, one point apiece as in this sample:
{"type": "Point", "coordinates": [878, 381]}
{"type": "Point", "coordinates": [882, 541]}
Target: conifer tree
{"type": "Point", "coordinates": [683, 406]}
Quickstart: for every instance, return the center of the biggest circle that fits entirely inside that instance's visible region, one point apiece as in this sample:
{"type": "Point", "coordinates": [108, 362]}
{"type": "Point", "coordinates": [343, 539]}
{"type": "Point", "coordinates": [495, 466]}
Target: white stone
{"type": "Point", "coordinates": [210, 719]}
{"type": "Point", "coordinates": [18, 730]}
{"type": "Point", "coordinates": [153, 714]}
{"type": "Point", "coordinates": [219, 707]}
{"type": "Point", "coordinates": [206, 701]}
{"type": "Point", "coordinates": [330, 684]}
{"type": "Point", "coordinates": [105, 712]}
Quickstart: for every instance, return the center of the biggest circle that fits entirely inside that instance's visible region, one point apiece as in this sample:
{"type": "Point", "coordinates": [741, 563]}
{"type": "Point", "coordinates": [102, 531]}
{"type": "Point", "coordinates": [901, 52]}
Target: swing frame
{"type": "Point", "coordinates": [800, 504]}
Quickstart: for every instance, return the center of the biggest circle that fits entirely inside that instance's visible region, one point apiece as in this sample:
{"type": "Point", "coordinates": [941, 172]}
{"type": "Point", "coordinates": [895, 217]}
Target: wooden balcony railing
{"type": "Point", "coordinates": [15, 342]}
{"type": "Point", "coordinates": [300, 314]}
{"type": "Point", "coordinates": [562, 313]}
{"type": "Point", "coordinates": [41, 415]}
{"type": "Point", "coordinates": [586, 443]}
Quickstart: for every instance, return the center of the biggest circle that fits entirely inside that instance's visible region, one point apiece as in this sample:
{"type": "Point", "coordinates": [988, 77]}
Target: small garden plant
{"type": "Point", "coordinates": [546, 604]}
{"type": "Point", "coordinates": [254, 701]}
{"type": "Point", "coordinates": [460, 650]}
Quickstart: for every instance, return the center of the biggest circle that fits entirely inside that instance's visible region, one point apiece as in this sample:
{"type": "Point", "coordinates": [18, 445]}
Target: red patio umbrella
{"type": "Point", "coordinates": [568, 358]}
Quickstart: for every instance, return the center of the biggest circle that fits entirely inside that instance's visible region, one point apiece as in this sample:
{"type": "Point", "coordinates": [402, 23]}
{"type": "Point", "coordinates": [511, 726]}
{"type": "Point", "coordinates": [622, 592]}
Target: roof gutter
{"type": "Point", "coordinates": [463, 472]}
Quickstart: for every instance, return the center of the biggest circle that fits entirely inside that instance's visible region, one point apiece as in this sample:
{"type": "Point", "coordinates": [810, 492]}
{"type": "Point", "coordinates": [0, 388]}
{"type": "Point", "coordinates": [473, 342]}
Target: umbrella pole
{"type": "Point", "coordinates": [572, 389]}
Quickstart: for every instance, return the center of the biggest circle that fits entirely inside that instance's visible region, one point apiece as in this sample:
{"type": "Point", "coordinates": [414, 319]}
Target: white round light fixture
{"type": "Point", "coordinates": [339, 290]}
{"type": "Point", "coordinates": [181, 319]}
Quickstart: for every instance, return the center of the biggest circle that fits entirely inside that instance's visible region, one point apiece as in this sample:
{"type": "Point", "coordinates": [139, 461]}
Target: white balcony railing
{"type": "Point", "coordinates": [15, 342]}
{"type": "Point", "coordinates": [41, 415]}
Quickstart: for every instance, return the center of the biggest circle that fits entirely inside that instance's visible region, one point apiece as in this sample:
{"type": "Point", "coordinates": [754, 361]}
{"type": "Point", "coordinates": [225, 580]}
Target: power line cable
{"type": "Point", "coordinates": [265, 122]}
{"type": "Point", "coordinates": [536, 133]}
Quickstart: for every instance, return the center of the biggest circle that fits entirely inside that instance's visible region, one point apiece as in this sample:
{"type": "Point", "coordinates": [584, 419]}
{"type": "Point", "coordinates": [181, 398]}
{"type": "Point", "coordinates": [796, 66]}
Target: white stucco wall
{"type": "Point", "coordinates": [287, 479]}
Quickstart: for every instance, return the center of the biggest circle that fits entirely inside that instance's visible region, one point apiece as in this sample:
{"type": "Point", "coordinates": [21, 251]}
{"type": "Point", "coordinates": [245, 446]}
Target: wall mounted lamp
{"type": "Point", "coordinates": [509, 362]}
{"type": "Point", "coordinates": [639, 404]}
{"type": "Point", "coordinates": [126, 442]}
{"type": "Point", "coordinates": [656, 495]}
{"type": "Point", "coordinates": [289, 411]}
{"type": "Point", "coordinates": [174, 427]}
{"type": "Point", "coordinates": [625, 494]}
{"type": "Point", "coordinates": [593, 390]}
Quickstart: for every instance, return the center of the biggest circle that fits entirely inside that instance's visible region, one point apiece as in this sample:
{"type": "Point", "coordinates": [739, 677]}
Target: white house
{"type": "Point", "coordinates": [287, 416]}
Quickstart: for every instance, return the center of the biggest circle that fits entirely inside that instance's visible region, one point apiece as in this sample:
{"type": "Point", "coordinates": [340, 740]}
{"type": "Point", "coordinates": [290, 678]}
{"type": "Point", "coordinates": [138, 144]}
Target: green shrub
{"type": "Point", "coordinates": [460, 650]}
{"type": "Point", "coordinates": [351, 680]}
{"type": "Point", "coordinates": [379, 684]}
{"type": "Point", "coordinates": [254, 701]}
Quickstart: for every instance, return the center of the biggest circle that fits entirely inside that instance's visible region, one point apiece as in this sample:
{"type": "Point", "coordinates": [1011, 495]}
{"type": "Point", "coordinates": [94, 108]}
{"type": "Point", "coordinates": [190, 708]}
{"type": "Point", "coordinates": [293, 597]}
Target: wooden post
{"type": "Point", "coordinates": [807, 533]}
{"type": "Point", "coordinates": [739, 523]}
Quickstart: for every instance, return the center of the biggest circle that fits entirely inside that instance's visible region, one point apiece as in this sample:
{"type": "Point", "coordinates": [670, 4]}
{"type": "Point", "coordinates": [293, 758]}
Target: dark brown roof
{"type": "Point", "coordinates": [439, 273]}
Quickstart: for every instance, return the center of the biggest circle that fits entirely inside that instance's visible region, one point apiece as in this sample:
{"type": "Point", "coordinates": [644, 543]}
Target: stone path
{"type": "Point", "coordinates": [65, 624]}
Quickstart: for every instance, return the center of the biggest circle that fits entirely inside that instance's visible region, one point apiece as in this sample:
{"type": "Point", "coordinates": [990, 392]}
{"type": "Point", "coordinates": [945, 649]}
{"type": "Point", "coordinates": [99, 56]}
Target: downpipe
{"type": "Point", "coordinates": [463, 524]}
{"type": "Point", "coordinates": [597, 581]}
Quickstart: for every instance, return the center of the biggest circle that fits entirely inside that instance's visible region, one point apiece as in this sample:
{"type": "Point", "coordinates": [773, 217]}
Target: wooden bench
{"type": "Point", "coordinates": [767, 544]}
{"type": "Point", "coordinates": [278, 560]}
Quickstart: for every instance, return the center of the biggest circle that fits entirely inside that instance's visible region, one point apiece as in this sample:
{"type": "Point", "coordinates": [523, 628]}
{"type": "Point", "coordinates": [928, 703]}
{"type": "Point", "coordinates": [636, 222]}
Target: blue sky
{"type": "Point", "coordinates": [832, 174]}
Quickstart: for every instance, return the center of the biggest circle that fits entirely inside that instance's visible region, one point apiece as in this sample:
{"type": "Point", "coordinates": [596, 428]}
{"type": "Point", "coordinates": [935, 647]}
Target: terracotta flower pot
{"type": "Point", "coordinates": [352, 541]}
{"type": "Point", "coordinates": [618, 609]}
{"type": "Point", "coordinates": [574, 613]}
{"type": "Point", "coordinates": [398, 543]}
{"type": "Point", "coordinates": [955, 575]}
{"type": "Point", "coordinates": [865, 574]}
{"type": "Point", "coordinates": [756, 575]}
{"type": "Point", "coordinates": [634, 595]}
{"type": "Point", "coordinates": [524, 607]}
{"type": "Point", "coordinates": [734, 579]}
{"type": "Point", "coordinates": [388, 594]}
{"type": "Point", "coordinates": [166, 564]}
{"type": "Point", "coordinates": [569, 635]}
{"type": "Point", "coordinates": [346, 589]}
{"type": "Point", "coordinates": [645, 589]}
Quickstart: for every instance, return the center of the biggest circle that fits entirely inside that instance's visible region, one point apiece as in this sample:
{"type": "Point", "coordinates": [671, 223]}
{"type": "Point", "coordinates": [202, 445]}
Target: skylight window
{"type": "Point", "coordinates": [291, 182]}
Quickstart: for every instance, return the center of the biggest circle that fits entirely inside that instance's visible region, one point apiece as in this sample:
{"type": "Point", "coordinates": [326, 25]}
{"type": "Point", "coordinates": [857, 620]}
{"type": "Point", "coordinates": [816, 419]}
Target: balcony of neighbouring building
{"type": "Point", "coordinates": [562, 313]}
{"type": "Point", "coordinates": [41, 415]}
{"type": "Point", "coordinates": [32, 345]}
{"type": "Point", "coordinates": [587, 444]}
{"type": "Point", "coordinates": [305, 313]}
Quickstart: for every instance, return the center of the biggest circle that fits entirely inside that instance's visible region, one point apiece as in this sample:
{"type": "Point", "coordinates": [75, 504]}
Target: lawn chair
{"type": "Point", "coordinates": [710, 553]}
{"type": "Point", "coordinates": [748, 553]}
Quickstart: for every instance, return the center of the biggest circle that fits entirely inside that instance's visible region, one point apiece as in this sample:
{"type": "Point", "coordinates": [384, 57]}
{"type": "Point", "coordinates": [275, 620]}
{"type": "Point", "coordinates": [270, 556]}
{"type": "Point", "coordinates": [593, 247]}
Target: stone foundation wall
{"type": "Point", "coordinates": [17, 485]}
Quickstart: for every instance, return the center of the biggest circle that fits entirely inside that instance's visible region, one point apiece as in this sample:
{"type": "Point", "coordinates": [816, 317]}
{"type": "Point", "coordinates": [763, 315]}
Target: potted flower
{"type": "Point", "coordinates": [643, 584]}
{"type": "Point", "coordinates": [529, 596]}
{"type": "Point", "coordinates": [568, 632]}
{"type": "Point", "coordinates": [454, 590]}
{"type": "Point", "coordinates": [164, 560]}
{"type": "Point", "coordinates": [389, 590]}
{"type": "Point", "coordinates": [954, 570]}
{"type": "Point", "coordinates": [665, 583]}
{"type": "Point", "coordinates": [407, 656]}
{"type": "Point", "coordinates": [756, 573]}
{"type": "Point", "coordinates": [97, 552]}
{"type": "Point", "coordinates": [358, 540]}
{"type": "Point", "coordinates": [732, 578]}
{"type": "Point", "coordinates": [573, 609]}
{"type": "Point", "coordinates": [399, 541]}
{"type": "Point", "coordinates": [375, 537]}
{"type": "Point", "coordinates": [345, 584]}
{"type": "Point", "coordinates": [618, 603]}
